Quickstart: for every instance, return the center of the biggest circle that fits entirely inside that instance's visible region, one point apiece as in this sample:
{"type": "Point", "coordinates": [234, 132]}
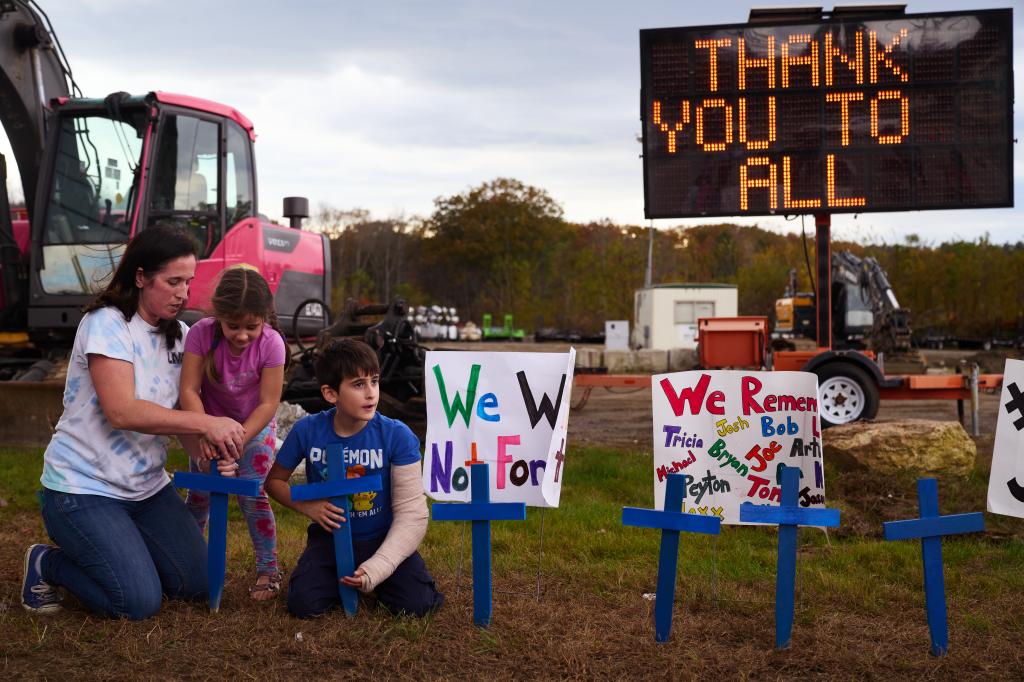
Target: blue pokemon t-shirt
{"type": "Point", "coordinates": [381, 443]}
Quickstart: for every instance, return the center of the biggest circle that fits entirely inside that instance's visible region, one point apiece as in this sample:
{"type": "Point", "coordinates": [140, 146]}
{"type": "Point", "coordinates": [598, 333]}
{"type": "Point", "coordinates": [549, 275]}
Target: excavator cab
{"type": "Point", "coordinates": [119, 165]}
{"type": "Point", "coordinates": [84, 218]}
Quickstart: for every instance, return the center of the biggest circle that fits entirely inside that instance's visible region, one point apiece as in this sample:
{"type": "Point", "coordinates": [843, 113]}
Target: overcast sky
{"type": "Point", "coordinates": [387, 106]}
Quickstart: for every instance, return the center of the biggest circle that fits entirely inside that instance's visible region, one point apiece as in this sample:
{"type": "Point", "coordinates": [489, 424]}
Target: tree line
{"type": "Point", "coordinates": [505, 247]}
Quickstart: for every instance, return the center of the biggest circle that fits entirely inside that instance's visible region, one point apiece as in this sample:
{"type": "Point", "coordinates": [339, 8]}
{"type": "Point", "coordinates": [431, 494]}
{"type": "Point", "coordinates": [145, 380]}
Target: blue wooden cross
{"type": "Point", "coordinates": [219, 487]}
{"type": "Point", "coordinates": [337, 488]}
{"type": "Point", "coordinates": [930, 528]}
{"type": "Point", "coordinates": [788, 515]}
{"type": "Point", "coordinates": [670, 521]}
{"type": "Point", "coordinates": [481, 511]}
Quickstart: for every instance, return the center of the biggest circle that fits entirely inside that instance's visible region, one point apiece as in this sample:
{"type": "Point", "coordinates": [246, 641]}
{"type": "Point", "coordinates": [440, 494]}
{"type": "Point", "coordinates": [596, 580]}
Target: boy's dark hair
{"type": "Point", "coordinates": [150, 249]}
{"type": "Point", "coordinates": [338, 359]}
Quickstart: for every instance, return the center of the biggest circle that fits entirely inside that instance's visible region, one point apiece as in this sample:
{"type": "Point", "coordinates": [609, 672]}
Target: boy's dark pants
{"type": "Point", "coordinates": [313, 586]}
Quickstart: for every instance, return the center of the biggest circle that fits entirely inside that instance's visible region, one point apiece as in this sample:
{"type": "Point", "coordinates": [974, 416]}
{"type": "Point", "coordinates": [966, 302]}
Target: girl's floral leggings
{"type": "Point", "coordinates": [255, 463]}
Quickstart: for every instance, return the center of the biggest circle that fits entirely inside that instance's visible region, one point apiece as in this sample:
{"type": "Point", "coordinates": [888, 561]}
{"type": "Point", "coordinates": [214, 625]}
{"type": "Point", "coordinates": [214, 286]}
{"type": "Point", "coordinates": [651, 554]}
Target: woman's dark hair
{"type": "Point", "coordinates": [151, 249]}
{"type": "Point", "coordinates": [338, 359]}
{"type": "Point", "coordinates": [240, 292]}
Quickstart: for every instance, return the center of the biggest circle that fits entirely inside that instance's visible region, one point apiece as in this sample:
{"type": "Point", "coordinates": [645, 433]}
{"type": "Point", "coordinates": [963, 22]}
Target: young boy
{"type": "Point", "coordinates": [387, 526]}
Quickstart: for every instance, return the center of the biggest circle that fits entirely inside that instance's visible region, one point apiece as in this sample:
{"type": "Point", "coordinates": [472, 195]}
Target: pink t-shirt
{"type": "Point", "coordinates": [238, 394]}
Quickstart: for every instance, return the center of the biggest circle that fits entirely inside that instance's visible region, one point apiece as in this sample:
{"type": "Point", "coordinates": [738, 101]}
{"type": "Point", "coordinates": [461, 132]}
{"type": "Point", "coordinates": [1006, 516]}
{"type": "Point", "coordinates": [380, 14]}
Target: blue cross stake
{"type": "Point", "coordinates": [787, 515]}
{"type": "Point", "coordinates": [481, 511]}
{"type": "Point", "coordinates": [671, 521]}
{"type": "Point", "coordinates": [930, 528]}
{"type": "Point", "coordinates": [219, 488]}
{"type": "Point", "coordinates": [337, 488]}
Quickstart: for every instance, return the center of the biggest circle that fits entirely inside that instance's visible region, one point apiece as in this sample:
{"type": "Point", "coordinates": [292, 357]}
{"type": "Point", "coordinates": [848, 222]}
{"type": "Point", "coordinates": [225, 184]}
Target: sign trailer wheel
{"type": "Point", "coordinates": [846, 393]}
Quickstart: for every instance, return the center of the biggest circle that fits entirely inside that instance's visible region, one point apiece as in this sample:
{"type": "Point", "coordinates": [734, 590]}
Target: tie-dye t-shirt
{"type": "Point", "coordinates": [86, 455]}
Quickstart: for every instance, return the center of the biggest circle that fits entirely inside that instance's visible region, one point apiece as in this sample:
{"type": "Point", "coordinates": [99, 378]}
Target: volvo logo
{"type": "Point", "coordinates": [280, 240]}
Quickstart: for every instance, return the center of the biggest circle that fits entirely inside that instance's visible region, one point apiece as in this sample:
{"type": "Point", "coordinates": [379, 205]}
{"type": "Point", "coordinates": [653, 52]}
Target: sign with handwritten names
{"type": "Point", "coordinates": [1006, 482]}
{"type": "Point", "coordinates": [728, 432]}
{"type": "Point", "coordinates": [508, 409]}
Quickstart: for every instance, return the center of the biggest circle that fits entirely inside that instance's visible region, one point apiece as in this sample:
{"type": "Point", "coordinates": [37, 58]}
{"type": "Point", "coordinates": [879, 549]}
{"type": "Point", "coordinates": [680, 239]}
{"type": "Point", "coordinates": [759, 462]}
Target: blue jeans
{"type": "Point", "coordinates": [120, 557]}
{"type": "Point", "coordinates": [313, 586]}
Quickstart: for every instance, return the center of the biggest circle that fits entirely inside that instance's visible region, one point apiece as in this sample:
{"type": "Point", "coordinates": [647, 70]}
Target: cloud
{"type": "Point", "coordinates": [388, 106]}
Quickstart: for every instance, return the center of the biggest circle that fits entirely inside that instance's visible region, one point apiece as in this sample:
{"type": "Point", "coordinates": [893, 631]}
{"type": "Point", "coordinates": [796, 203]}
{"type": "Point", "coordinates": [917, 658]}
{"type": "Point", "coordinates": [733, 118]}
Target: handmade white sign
{"type": "Point", "coordinates": [1006, 481]}
{"type": "Point", "coordinates": [508, 409]}
{"type": "Point", "coordinates": [727, 432]}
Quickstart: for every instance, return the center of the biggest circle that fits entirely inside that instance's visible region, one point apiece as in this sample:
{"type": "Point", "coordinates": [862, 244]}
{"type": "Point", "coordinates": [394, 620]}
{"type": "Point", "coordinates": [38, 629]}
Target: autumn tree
{"type": "Point", "coordinates": [496, 248]}
{"type": "Point", "coordinates": [372, 260]}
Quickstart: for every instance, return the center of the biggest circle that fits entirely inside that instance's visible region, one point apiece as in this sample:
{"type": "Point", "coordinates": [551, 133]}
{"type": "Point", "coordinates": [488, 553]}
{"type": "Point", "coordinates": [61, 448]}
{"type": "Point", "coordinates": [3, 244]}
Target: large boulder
{"type": "Point", "coordinates": [287, 415]}
{"type": "Point", "coordinates": [918, 446]}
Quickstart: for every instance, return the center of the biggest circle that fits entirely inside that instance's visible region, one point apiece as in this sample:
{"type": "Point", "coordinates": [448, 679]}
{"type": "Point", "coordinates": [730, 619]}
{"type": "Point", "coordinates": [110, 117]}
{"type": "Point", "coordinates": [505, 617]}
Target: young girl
{"type": "Point", "coordinates": [234, 367]}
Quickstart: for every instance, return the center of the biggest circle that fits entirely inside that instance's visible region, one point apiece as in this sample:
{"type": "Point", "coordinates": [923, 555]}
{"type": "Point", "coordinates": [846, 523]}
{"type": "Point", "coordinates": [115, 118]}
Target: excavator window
{"type": "Point", "coordinates": [89, 200]}
{"type": "Point", "coordinates": [184, 187]}
{"type": "Point", "coordinates": [239, 182]}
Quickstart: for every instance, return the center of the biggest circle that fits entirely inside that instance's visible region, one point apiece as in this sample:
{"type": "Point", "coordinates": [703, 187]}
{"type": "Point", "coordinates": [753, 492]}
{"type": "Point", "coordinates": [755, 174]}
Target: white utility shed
{"type": "Point", "coordinates": [666, 315]}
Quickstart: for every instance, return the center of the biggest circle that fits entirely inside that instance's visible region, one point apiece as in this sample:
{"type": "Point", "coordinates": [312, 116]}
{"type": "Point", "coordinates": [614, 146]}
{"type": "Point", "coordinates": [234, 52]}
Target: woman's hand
{"type": "Point", "coordinates": [226, 435]}
{"type": "Point", "coordinates": [207, 449]}
{"type": "Point", "coordinates": [322, 512]}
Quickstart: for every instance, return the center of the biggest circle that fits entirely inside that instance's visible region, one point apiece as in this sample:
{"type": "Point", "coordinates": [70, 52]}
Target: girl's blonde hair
{"type": "Point", "coordinates": [240, 292]}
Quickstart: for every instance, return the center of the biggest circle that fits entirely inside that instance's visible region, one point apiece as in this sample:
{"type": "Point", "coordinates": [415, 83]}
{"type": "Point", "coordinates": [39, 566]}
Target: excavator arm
{"type": "Point", "coordinates": [891, 329]}
{"type": "Point", "coordinates": [32, 73]}
{"type": "Point", "coordinates": [865, 311]}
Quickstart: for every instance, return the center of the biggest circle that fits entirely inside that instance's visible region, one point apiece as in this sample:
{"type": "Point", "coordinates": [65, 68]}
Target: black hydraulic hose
{"type": "Point", "coordinates": [295, 322]}
{"type": "Point", "coordinates": [62, 58]}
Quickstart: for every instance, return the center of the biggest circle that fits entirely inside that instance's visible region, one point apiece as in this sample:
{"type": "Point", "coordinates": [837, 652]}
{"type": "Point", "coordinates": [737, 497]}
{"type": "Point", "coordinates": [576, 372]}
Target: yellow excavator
{"type": "Point", "coordinates": [865, 311]}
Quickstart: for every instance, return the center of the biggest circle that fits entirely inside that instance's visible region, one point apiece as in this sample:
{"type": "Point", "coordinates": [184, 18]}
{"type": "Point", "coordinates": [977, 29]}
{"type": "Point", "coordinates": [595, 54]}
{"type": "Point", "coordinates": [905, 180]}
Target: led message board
{"type": "Point", "coordinates": [894, 113]}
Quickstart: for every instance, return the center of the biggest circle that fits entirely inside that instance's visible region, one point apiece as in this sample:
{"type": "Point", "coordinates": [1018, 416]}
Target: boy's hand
{"type": "Point", "coordinates": [323, 513]}
{"type": "Point", "coordinates": [358, 580]}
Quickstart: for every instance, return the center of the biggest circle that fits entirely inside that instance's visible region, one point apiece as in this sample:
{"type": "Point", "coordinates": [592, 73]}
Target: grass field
{"type": "Point", "coordinates": [860, 604]}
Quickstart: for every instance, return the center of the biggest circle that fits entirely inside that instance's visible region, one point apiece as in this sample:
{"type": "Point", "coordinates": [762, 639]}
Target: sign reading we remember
{"type": "Point", "coordinates": [846, 114]}
{"type": "Point", "coordinates": [508, 409]}
{"type": "Point", "coordinates": [728, 432]}
{"type": "Point", "coordinates": [1006, 481]}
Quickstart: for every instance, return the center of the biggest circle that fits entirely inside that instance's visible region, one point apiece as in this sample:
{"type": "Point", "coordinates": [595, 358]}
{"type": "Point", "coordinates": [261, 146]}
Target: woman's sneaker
{"type": "Point", "coordinates": [37, 594]}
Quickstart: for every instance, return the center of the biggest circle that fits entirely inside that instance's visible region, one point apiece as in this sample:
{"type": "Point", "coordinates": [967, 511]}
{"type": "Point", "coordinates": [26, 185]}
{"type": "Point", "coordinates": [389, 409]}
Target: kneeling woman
{"type": "Point", "coordinates": [124, 536]}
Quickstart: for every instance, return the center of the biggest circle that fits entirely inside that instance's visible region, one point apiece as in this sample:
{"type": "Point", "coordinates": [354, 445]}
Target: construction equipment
{"type": "Point", "coordinates": [865, 311]}
{"type": "Point", "coordinates": [96, 171]}
{"type": "Point", "coordinates": [388, 329]}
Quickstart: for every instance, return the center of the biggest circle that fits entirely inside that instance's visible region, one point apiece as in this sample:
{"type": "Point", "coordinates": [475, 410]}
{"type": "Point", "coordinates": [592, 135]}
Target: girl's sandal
{"type": "Point", "coordinates": [263, 591]}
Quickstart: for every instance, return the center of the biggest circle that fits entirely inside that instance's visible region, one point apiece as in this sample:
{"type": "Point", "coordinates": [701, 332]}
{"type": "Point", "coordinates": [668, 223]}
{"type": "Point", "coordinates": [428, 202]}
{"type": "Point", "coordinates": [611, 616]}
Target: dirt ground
{"type": "Point", "coordinates": [580, 632]}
